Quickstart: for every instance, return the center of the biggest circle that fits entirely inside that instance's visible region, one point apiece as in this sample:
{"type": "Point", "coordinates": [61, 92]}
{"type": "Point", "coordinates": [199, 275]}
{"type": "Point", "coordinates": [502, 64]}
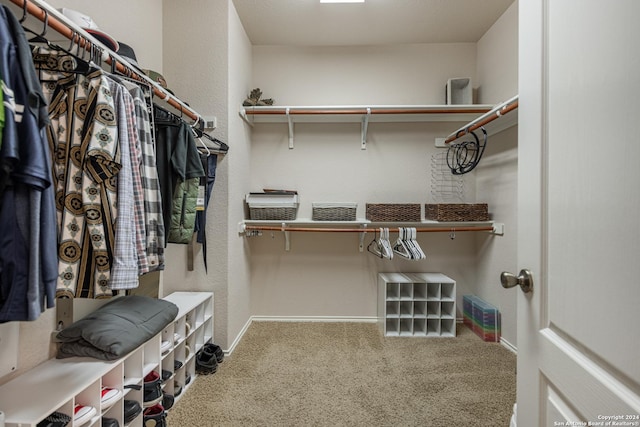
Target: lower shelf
{"type": "Point", "coordinates": [419, 327]}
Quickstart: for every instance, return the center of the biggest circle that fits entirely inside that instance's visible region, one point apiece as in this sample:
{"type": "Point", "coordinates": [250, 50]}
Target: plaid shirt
{"type": "Point", "coordinates": [129, 255]}
{"type": "Point", "coordinates": [154, 224]}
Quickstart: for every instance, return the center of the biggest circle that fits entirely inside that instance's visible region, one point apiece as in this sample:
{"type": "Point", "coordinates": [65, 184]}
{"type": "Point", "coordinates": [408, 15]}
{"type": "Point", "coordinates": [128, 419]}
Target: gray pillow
{"type": "Point", "coordinates": [117, 328]}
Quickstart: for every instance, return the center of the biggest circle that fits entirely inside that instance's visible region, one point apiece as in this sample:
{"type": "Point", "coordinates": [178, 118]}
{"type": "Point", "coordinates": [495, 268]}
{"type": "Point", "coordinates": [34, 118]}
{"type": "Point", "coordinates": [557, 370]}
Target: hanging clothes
{"type": "Point", "coordinates": [209, 164]}
{"type": "Point", "coordinates": [129, 256]}
{"type": "Point", "coordinates": [179, 171]}
{"type": "Point", "coordinates": [154, 224]}
{"type": "Point", "coordinates": [28, 266]}
{"type": "Point", "coordinates": [83, 136]}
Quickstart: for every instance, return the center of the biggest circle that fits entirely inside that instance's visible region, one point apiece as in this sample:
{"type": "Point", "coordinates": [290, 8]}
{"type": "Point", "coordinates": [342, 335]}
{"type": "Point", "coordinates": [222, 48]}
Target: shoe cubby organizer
{"type": "Point", "coordinates": [58, 385]}
{"type": "Point", "coordinates": [416, 305]}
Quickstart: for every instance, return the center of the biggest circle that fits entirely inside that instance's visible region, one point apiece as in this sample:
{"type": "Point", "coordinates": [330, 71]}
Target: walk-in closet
{"type": "Point", "coordinates": [313, 212]}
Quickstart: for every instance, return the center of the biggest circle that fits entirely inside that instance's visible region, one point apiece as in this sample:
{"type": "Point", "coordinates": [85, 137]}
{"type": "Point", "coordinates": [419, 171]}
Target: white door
{"type": "Point", "coordinates": [579, 212]}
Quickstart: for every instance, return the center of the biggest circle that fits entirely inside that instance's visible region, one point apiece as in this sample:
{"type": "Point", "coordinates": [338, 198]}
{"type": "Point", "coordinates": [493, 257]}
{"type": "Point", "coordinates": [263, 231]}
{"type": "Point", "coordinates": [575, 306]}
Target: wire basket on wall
{"type": "Point", "coordinates": [445, 187]}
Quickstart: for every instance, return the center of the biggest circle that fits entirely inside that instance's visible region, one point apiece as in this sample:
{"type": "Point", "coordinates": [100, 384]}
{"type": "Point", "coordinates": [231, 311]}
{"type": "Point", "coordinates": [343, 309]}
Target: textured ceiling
{"type": "Point", "coordinates": [375, 22]}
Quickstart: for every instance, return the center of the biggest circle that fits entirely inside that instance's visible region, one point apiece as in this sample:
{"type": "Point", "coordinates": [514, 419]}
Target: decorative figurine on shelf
{"type": "Point", "coordinates": [254, 99]}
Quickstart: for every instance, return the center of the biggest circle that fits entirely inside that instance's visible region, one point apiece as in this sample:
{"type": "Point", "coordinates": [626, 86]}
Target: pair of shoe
{"type": "Point", "coordinates": [155, 416]}
{"type": "Point", "coordinates": [207, 359]}
{"type": "Point", "coordinates": [152, 389]}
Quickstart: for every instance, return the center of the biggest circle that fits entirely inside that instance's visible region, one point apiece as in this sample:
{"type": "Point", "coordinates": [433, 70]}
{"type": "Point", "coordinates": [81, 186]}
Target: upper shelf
{"type": "Point", "coordinates": [499, 118]}
{"type": "Point", "coordinates": [384, 113]}
{"type": "Point", "coordinates": [359, 113]}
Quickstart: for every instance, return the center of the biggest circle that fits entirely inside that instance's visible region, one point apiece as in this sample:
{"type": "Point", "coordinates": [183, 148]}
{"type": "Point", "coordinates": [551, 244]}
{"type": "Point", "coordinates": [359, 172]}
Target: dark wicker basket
{"type": "Point", "coordinates": [457, 212]}
{"type": "Point", "coordinates": [393, 212]}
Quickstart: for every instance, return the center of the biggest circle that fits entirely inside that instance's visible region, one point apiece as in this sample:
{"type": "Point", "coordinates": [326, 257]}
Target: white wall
{"type": "Point", "coordinates": [324, 274]}
{"type": "Point", "coordinates": [404, 74]}
{"type": "Point", "coordinates": [496, 176]}
{"type": "Point", "coordinates": [239, 83]}
{"type": "Point", "coordinates": [497, 72]}
{"type": "Point", "coordinates": [209, 66]}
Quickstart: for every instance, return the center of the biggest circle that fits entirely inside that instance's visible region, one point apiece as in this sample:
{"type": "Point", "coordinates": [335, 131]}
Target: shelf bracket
{"type": "Point", "coordinates": [243, 116]}
{"type": "Point", "coordinates": [365, 126]}
{"type": "Point", "coordinates": [290, 121]}
{"type": "Point", "coordinates": [287, 237]}
{"type": "Point", "coordinates": [498, 228]}
{"type": "Point", "coordinates": [362, 235]}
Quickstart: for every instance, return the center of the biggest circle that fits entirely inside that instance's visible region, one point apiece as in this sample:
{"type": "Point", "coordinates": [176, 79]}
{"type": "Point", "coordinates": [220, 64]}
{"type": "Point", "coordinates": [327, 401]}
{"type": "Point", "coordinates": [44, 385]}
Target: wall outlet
{"type": "Point", "coordinates": [210, 122]}
{"type": "Point", "coordinates": [440, 142]}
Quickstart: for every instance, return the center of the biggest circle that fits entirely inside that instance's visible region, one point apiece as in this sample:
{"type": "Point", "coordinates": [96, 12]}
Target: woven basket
{"type": "Point", "coordinates": [393, 212]}
{"type": "Point", "coordinates": [457, 212]}
{"type": "Point", "coordinates": [273, 213]}
{"type": "Point", "coordinates": [334, 211]}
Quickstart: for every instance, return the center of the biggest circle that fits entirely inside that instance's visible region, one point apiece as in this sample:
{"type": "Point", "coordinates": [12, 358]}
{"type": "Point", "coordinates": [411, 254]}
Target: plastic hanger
{"type": "Point", "coordinates": [400, 247]}
{"type": "Point", "coordinates": [414, 241]}
{"type": "Point", "coordinates": [375, 247]}
{"type": "Point", "coordinates": [81, 65]}
{"type": "Point", "coordinates": [386, 244]}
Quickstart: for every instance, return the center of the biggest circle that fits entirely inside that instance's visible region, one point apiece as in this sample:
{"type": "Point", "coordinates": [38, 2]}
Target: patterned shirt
{"type": "Point", "coordinates": [86, 162]}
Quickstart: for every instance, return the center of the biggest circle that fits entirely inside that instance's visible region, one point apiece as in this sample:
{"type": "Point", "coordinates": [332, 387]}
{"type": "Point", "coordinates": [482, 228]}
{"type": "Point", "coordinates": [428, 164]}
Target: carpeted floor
{"type": "Point", "coordinates": [348, 374]}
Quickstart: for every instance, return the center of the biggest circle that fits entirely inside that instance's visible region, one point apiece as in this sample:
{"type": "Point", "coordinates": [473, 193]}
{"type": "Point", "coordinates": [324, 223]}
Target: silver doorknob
{"type": "Point", "coordinates": [524, 279]}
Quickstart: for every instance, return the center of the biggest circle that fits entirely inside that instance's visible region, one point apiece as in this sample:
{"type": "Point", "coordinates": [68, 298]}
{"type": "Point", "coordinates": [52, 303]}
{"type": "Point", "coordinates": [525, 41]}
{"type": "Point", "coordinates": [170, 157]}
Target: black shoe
{"type": "Point", "coordinates": [177, 365]}
{"type": "Point", "coordinates": [177, 389]}
{"type": "Point", "coordinates": [152, 389]}
{"type": "Point", "coordinates": [110, 422]}
{"type": "Point", "coordinates": [216, 350]}
{"type": "Point", "coordinates": [131, 410]}
{"type": "Point", "coordinates": [206, 361]}
{"type": "Point", "coordinates": [167, 401]}
{"type": "Point", "coordinates": [155, 416]}
{"type": "Point", "coordinates": [55, 419]}
{"type": "Point", "coordinates": [166, 375]}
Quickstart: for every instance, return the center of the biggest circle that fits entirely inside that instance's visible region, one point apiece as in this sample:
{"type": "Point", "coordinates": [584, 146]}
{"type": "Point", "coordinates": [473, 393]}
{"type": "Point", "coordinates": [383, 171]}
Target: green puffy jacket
{"type": "Point", "coordinates": [183, 214]}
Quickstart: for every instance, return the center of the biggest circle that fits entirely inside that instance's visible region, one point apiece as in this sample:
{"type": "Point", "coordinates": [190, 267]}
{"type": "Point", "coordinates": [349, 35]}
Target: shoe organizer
{"type": "Point", "coordinates": [416, 305]}
{"type": "Point", "coordinates": [87, 390]}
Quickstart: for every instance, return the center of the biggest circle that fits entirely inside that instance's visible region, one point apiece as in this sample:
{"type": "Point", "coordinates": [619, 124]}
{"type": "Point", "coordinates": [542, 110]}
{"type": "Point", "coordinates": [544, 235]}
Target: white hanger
{"type": "Point", "coordinates": [414, 241]}
{"type": "Point", "coordinates": [400, 246]}
{"type": "Point", "coordinates": [386, 245]}
{"type": "Point", "coordinates": [375, 247]}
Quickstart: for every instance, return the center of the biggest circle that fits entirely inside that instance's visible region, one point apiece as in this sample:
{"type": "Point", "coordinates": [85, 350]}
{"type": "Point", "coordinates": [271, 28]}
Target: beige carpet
{"type": "Point", "coordinates": [348, 374]}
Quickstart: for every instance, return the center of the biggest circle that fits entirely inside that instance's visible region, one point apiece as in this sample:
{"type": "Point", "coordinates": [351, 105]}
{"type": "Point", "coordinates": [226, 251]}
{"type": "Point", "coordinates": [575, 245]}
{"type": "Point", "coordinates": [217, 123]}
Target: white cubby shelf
{"type": "Point", "coordinates": [416, 305]}
{"type": "Point", "coordinates": [57, 385]}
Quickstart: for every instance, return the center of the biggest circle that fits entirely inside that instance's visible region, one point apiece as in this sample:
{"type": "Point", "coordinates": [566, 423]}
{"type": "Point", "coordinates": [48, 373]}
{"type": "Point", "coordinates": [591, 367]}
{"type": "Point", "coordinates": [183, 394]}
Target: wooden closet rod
{"type": "Point", "coordinates": [363, 230]}
{"type": "Point", "coordinates": [359, 111]}
{"type": "Point", "coordinates": [84, 40]}
{"type": "Point", "coordinates": [495, 113]}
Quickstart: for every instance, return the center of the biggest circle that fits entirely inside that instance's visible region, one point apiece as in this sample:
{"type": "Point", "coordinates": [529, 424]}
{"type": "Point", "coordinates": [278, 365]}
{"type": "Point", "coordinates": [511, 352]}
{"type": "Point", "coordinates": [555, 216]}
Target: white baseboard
{"type": "Point", "coordinates": [238, 338]}
{"type": "Point", "coordinates": [357, 319]}
{"type": "Point", "coordinates": [295, 319]}
{"type": "Point", "coordinates": [506, 344]}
